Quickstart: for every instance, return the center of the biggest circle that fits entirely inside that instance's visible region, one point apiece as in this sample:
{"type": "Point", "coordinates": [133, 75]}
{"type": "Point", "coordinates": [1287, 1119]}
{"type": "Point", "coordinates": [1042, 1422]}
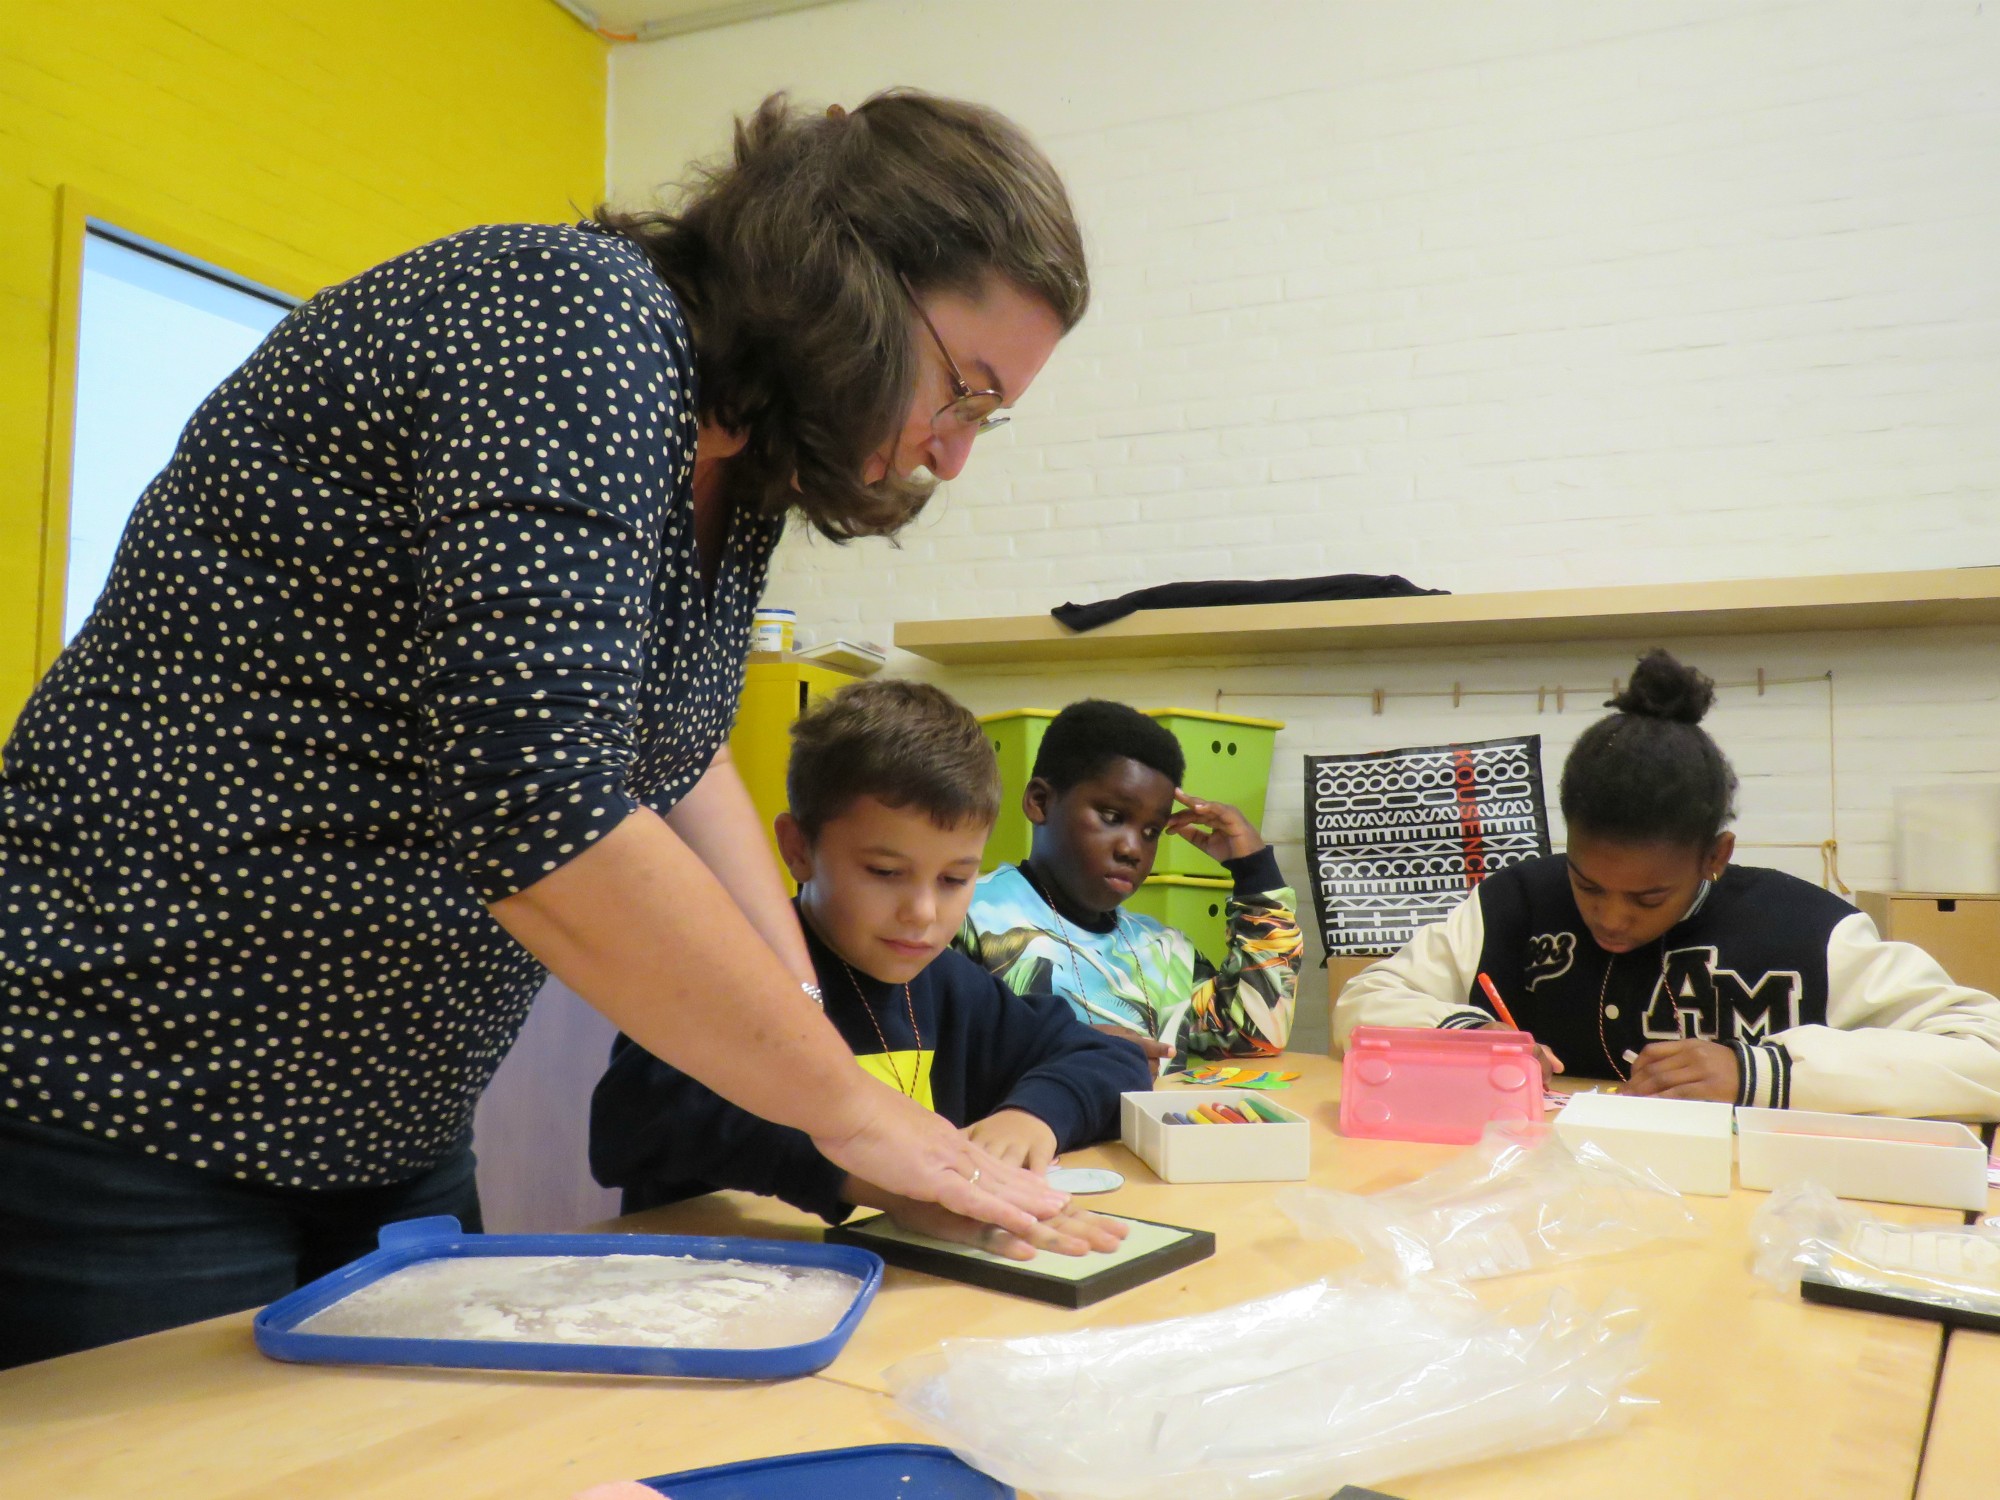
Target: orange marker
{"type": "Point", "coordinates": [1499, 1005]}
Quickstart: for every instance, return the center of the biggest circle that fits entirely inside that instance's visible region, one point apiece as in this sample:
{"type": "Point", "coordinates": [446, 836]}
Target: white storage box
{"type": "Point", "coordinates": [1686, 1143]}
{"type": "Point", "coordinates": [1263, 1152]}
{"type": "Point", "coordinates": [1948, 838]}
{"type": "Point", "coordinates": [1932, 1162]}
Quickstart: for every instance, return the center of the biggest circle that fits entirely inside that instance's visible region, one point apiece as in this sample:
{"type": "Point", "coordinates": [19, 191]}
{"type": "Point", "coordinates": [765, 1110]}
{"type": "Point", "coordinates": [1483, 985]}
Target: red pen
{"type": "Point", "coordinates": [1499, 1005]}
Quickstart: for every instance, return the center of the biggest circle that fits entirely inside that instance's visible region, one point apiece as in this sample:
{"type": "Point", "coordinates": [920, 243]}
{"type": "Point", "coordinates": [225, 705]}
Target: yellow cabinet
{"type": "Point", "coordinates": [776, 690]}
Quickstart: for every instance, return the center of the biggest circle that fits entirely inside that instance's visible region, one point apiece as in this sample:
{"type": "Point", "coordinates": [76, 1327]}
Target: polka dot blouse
{"type": "Point", "coordinates": [412, 617]}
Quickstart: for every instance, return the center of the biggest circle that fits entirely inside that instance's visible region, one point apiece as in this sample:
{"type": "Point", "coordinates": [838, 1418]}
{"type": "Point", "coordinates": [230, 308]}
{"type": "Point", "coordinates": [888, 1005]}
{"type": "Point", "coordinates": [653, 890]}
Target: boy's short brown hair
{"type": "Point", "coordinates": [907, 744]}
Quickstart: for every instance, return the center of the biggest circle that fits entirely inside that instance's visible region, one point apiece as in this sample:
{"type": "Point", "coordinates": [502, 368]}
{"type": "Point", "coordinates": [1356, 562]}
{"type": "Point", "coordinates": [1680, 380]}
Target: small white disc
{"type": "Point", "coordinates": [1084, 1180]}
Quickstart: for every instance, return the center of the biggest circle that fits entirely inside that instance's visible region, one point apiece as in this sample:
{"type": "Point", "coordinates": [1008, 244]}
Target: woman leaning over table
{"type": "Point", "coordinates": [413, 677]}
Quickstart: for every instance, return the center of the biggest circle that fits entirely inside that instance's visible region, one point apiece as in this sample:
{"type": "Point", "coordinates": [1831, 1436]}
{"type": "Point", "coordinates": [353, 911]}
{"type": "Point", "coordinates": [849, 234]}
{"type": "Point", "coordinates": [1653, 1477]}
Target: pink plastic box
{"type": "Point", "coordinates": [1413, 1083]}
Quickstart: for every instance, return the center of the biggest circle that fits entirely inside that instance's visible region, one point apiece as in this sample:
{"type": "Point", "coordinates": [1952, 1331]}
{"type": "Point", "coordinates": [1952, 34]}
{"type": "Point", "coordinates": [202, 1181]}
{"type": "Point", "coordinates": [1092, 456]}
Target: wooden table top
{"type": "Point", "coordinates": [1754, 1391]}
{"type": "Point", "coordinates": [1960, 1462]}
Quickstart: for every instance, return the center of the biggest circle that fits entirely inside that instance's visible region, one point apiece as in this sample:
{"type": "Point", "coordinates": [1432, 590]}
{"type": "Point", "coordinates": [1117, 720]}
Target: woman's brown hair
{"type": "Point", "coordinates": [786, 259]}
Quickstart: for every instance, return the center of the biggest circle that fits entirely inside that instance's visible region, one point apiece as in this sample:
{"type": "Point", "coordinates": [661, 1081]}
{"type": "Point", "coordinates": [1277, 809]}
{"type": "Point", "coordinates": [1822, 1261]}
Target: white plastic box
{"type": "Point", "coordinates": [1931, 1162]}
{"type": "Point", "coordinates": [1263, 1152]}
{"type": "Point", "coordinates": [1948, 838]}
{"type": "Point", "coordinates": [1686, 1143]}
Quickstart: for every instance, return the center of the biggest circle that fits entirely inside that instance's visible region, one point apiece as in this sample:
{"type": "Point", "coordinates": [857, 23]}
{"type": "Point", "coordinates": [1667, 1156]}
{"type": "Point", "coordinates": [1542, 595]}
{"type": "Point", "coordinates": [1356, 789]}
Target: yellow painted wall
{"type": "Point", "coordinates": [295, 142]}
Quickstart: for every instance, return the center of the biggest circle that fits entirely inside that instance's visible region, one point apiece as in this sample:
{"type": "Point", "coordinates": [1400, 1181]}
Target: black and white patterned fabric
{"type": "Point", "coordinates": [1397, 837]}
{"type": "Point", "coordinates": [412, 618]}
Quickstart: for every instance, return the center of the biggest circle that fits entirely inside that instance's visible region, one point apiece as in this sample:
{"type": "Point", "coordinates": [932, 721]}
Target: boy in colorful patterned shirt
{"type": "Point", "coordinates": [1101, 796]}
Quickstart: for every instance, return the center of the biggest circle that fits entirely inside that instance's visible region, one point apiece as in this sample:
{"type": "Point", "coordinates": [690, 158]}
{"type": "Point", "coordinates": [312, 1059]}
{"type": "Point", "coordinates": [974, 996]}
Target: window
{"type": "Point", "coordinates": [155, 334]}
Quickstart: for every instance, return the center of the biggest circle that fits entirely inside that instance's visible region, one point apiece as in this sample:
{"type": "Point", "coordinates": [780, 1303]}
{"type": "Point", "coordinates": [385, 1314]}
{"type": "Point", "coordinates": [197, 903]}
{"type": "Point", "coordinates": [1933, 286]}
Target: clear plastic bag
{"type": "Point", "coordinates": [1293, 1395]}
{"type": "Point", "coordinates": [1520, 1200]}
{"type": "Point", "coordinates": [1803, 1230]}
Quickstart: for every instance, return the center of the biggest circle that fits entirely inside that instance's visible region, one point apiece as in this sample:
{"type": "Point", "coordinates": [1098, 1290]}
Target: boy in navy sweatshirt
{"type": "Point", "coordinates": [893, 789]}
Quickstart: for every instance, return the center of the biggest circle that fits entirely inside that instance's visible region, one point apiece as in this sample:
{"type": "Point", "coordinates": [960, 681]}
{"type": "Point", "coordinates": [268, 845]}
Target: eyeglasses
{"type": "Point", "coordinates": [979, 410]}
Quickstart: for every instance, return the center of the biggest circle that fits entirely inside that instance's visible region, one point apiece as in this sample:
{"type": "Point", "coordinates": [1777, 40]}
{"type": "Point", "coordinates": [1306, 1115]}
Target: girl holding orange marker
{"type": "Point", "coordinates": [1642, 954]}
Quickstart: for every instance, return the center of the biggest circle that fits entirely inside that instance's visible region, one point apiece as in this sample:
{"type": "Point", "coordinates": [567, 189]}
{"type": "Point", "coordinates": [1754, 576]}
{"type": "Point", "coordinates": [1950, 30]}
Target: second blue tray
{"type": "Point", "coordinates": [886, 1471]}
{"type": "Point", "coordinates": [405, 1244]}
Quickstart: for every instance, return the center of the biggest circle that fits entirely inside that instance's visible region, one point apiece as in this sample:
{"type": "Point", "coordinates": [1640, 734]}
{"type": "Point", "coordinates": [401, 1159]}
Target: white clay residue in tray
{"type": "Point", "coordinates": [658, 1301]}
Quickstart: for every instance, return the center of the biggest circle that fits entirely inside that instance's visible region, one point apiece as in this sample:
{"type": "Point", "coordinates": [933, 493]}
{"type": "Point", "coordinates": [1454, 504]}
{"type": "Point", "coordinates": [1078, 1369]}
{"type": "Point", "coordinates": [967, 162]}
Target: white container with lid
{"type": "Point", "coordinates": [1948, 838]}
{"type": "Point", "coordinates": [1686, 1143]}
{"type": "Point", "coordinates": [1932, 1162]}
{"type": "Point", "coordinates": [773, 628]}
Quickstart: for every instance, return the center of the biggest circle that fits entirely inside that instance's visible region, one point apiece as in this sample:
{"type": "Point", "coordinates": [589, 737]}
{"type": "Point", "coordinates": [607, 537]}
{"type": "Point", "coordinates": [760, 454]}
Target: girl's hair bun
{"type": "Point", "coordinates": [1663, 688]}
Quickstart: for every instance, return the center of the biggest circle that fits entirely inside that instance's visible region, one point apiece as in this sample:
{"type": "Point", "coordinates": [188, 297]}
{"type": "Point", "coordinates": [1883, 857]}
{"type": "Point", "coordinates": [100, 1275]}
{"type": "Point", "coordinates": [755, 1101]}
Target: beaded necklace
{"type": "Point", "coordinates": [1075, 971]}
{"type": "Point", "coordinates": [909, 1090]}
{"type": "Point", "coordinates": [1603, 990]}
{"type": "Point", "coordinates": [1604, 985]}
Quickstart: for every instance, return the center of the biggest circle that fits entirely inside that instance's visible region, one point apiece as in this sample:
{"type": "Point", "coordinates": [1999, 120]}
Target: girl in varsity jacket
{"type": "Point", "coordinates": [1643, 954]}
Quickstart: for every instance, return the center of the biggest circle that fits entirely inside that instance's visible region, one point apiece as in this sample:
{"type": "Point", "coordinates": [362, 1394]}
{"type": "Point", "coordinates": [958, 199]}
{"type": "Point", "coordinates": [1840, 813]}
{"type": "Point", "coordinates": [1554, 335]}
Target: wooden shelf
{"type": "Point", "coordinates": [1849, 601]}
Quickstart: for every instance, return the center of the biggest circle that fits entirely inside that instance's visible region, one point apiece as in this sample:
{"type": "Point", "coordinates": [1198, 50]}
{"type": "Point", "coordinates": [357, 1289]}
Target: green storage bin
{"type": "Point", "coordinates": [1228, 760]}
{"type": "Point", "coordinates": [1197, 906]}
{"type": "Point", "coordinates": [1016, 736]}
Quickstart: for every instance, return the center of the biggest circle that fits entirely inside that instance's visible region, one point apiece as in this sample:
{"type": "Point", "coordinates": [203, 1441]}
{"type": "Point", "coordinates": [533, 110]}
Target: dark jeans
{"type": "Point", "coordinates": [99, 1244]}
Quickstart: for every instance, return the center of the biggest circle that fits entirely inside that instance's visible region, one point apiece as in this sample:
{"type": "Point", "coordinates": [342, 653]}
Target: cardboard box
{"type": "Point", "coordinates": [1686, 1143]}
{"type": "Point", "coordinates": [1931, 1162]}
{"type": "Point", "coordinates": [1264, 1152]}
{"type": "Point", "coordinates": [1962, 932]}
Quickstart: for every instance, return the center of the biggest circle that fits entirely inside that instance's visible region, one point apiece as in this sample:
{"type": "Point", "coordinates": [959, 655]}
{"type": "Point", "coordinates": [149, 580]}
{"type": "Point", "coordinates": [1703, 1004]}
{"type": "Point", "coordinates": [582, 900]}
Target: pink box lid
{"type": "Point", "coordinates": [1416, 1083]}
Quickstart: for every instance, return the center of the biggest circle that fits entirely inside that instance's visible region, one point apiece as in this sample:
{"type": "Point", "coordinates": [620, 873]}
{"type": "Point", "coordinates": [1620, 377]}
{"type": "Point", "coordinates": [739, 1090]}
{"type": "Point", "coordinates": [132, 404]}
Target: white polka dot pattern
{"type": "Point", "coordinates": [412, 617]}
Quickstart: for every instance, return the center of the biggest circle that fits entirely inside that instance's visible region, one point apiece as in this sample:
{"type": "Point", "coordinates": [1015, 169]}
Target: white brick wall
{"type": "Point", "coordinates": [1497, 296]}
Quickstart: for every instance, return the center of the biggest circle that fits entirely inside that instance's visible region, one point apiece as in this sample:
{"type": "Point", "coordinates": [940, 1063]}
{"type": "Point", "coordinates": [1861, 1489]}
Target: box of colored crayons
{"type": "Point", "coordinates": [1216, 1135]}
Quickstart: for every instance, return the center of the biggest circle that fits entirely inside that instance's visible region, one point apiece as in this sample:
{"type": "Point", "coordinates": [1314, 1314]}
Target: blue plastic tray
{"type": "Point", "coordinates": [888, 1471]}
{"type": "Point", "coordinates": [439, 1238]}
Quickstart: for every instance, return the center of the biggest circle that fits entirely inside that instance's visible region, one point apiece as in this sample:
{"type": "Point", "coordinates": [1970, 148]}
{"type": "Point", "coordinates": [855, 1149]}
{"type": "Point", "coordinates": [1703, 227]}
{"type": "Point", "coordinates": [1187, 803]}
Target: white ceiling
{"type": "Point", "coordinates": [643, 20]}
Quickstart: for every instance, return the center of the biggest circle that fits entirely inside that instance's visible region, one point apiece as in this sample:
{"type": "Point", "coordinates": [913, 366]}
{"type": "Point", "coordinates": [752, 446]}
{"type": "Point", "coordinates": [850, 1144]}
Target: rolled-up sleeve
{"type": "Point", "coordinates": [554, 428]}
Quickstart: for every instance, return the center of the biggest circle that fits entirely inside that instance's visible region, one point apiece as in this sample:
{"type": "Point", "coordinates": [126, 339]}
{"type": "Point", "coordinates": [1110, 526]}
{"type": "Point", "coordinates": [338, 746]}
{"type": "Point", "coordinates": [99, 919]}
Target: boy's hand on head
{"type": "Point", "coordinates": [1687, 1070]}
{"type": "Point", "coordinates": [1215, 828]}
{"type": "Point", "coordinates": [1154, 1048]}
{"type": "Point", "coordinates": [1074, 1231]}
{"type": "Point", "coordinates": [1015, 1137]}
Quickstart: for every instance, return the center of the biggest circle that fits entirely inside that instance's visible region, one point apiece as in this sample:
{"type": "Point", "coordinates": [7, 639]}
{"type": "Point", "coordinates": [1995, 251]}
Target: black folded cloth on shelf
{"type": "Point", "coordinates": [1240, 591]}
